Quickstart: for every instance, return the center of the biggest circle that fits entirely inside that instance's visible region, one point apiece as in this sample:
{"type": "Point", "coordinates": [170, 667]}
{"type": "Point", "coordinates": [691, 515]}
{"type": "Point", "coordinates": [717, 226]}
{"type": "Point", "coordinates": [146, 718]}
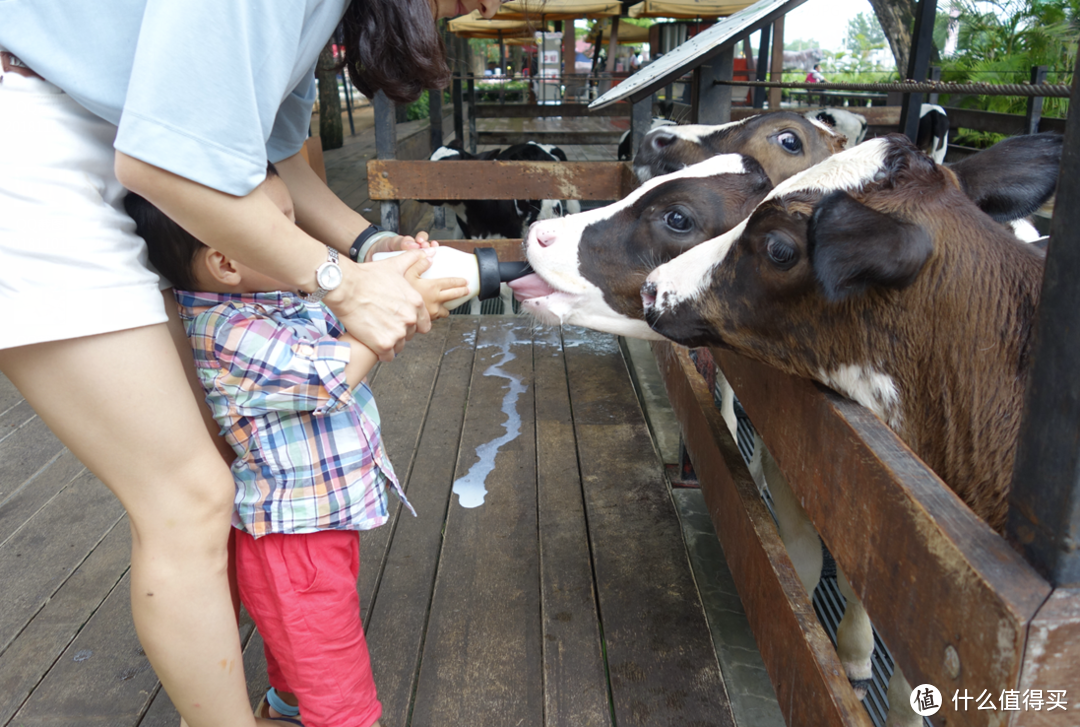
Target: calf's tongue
{"type": "Point", "coordinates": [530, 286]}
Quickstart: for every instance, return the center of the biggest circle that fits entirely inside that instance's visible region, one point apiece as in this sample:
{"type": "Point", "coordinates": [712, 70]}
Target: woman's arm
{"type": "Point", "coordinates": [323, 215]}
{"type": "Point", "coordinates": [374, 301]}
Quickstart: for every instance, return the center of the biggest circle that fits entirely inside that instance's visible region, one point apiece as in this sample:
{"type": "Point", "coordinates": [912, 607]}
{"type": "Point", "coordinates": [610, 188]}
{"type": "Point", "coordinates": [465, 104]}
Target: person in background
{"type": "Point", "coordinates": [816, 76]}
{"type": "Point", "coordinates": [168, 100]}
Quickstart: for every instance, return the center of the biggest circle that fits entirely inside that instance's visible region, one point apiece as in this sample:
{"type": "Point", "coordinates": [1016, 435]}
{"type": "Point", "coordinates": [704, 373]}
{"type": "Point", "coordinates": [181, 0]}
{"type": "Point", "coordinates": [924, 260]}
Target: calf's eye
{"type": "Point", "coordinates": [781, 252]}
{"type": "Point", "coordinates": [678, 220]}
{"type": "Point", "coordinates": [790, 142]}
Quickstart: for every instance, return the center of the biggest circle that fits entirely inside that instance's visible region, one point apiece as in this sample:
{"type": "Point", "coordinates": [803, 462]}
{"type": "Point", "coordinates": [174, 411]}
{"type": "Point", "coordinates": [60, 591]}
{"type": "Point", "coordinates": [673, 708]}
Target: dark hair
{"type": "Point", "coordinates": [394, 46]}
{"type": "Point", "coordinates": [171, 248]}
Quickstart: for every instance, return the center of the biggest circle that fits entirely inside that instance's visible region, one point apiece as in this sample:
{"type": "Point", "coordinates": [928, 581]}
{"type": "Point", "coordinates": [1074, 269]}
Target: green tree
{"type": "Point", "coordinates": [999, 41]}
{"type": "Point", "coordinates": [864, 35]}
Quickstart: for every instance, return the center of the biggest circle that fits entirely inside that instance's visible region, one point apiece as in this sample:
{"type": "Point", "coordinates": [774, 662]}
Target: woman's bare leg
{"type": "Point", "coordinates": [122, 404]}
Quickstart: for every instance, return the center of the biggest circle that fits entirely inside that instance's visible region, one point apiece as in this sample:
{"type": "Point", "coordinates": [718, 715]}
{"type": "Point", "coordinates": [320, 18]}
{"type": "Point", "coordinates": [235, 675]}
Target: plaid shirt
{"type": "Point", "coordinates": [309, 453]}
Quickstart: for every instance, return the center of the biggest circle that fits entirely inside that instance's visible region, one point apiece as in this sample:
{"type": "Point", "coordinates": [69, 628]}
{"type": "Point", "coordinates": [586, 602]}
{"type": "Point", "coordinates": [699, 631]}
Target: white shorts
{"type": "Point", "coordinates": [71, 264]}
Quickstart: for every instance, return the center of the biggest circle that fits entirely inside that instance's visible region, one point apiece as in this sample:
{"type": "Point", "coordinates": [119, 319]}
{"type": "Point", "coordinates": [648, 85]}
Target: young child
{"type": "Point", "coordinates": [286, 384]}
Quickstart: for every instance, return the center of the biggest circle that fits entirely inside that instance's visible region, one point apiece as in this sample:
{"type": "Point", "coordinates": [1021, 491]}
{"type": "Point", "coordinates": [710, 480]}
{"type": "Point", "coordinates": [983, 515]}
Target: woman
{"type": "Point", "coordinates": [183, 103]}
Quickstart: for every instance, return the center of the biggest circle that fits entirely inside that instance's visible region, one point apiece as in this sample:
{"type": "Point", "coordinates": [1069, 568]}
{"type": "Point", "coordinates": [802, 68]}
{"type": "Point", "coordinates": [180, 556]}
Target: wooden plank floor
{"type": "Point", "coordinates": [565, 598]}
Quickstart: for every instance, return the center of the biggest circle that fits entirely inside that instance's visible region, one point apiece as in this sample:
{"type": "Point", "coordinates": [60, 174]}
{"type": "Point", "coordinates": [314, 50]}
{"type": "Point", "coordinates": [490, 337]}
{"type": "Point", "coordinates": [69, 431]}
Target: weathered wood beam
{"type": "Point", "coordinates": [392, 180]}
{"type": "Point", "coordinates": [536, 111]}
{"type": "Point", "coordinates": [563, 138]}
{"type": "Point", "coordinates": [951, 599]}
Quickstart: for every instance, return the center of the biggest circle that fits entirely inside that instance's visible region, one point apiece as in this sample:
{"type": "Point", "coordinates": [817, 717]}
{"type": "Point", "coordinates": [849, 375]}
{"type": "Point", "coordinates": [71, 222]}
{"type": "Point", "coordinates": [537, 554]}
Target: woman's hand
{"type": "Point", "coordinates": [376, 303]}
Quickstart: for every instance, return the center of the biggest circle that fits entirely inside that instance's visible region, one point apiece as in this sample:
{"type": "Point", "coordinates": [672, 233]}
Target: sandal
{"type": "Point", "coordinates": [289, 714]}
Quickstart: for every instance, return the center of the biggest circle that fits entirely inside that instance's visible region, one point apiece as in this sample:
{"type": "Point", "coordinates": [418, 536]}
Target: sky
{"type": "Point", "coordinates": [825, 21]}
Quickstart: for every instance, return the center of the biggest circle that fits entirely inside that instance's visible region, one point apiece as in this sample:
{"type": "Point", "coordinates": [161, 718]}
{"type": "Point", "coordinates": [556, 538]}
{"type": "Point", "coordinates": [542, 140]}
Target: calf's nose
{"type": "Point", "coordinates": [543, 234]}
{"type": "Point", "coordinates": [648, 294]}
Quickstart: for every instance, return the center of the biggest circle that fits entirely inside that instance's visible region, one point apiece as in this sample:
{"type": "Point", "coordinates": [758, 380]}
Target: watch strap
{"type": "Point", "coordinates": [320, 292]}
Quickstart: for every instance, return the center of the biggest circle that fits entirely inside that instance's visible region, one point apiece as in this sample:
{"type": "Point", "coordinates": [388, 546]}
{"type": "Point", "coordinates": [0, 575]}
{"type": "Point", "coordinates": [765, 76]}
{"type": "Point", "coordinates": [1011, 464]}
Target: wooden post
{"type": "Point", "coordinates": [762, 70]}
{"type": "Point", "coordinates": [613, 45]}
{"type": "Point", "coordinates": [640, 121]}
{"type": "Point", "coordinates": [1035, 103]}
{"type": "Point", "coordinates": [472, 113]}
{"type": "Point", "coordinates": [1044, 504]}
{"type": "Point", "coordinates": [571, 85]}
{"type": "Point", "coordinates": [922, 40]}
{"type": "Point", "coordinates": [386, 148]}
{"type": "Point", "coordinates": [776, 74]}
{"type": "Point", "coordinates": [714, 101]}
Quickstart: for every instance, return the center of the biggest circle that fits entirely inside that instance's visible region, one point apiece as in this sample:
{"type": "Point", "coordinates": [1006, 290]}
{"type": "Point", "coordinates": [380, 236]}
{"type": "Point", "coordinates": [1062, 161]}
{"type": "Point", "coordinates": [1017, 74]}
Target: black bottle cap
{"type": "Point", "coordinates": [487, 262]}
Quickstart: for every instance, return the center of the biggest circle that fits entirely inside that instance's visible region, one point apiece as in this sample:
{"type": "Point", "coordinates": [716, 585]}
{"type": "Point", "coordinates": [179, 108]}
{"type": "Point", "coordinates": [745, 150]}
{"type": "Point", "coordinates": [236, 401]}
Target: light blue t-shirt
{"type": "Point", "coordinates": [207, 89]}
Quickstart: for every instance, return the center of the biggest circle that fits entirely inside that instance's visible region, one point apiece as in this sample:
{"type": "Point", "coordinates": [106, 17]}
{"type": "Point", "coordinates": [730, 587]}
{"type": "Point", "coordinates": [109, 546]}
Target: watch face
{"type": "Point", "coordinates": [329, 276]}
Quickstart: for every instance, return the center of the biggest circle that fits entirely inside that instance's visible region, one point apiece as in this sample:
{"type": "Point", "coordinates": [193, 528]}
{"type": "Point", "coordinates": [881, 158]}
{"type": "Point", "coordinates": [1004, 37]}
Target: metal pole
{"type": "Point", "coordinates": [1035, 103]}
{"type": "Point", "coordinates": [472, 113]}
{"type": "Point", "coordinates": [922, 40]}
{"type": "Point", "coordinates": [935, 76]}
{"type": "Point", "coordinates": [386, 148]}
{"type": "Point", "coordinates": [714, 100]}
{"type": "Point", "coordinates": [435, 115]}
{"type": "Point", "coordinates": [348, 103]}
{"type": "Point", "coordinates": [1044, 503]}
{"type": "Point", "coordinates": [459, 120]}
{"type": "Point", "coordinates": [640, 121]}
{"type": "Point", "coordinates": [762, 69]}
{"type": "Point", "coordinates": [502, 69]}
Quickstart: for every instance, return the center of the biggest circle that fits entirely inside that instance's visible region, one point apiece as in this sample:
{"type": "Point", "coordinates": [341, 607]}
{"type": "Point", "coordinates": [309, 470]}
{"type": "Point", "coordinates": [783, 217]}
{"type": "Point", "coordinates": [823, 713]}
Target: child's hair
{"type": "Point", "coordinates": [171, 248]}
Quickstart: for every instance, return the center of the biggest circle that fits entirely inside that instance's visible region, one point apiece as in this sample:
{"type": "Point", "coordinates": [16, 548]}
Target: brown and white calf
{"type": "Point", "coordinates": [879, 274]}
{"type": "Point", "coordinates": [784, 143]}
{"type": "Point", "coordinates": [590, 266]}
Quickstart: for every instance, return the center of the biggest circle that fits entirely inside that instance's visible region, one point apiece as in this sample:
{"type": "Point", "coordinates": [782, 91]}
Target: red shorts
{"type": "Point", "coordinates": [301, 592]}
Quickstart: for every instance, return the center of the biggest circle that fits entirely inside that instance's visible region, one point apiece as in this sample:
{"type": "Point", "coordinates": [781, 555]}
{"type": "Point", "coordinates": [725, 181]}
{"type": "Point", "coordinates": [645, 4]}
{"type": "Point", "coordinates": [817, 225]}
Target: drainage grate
{"type": "Point", "coordinates": [828, 601]}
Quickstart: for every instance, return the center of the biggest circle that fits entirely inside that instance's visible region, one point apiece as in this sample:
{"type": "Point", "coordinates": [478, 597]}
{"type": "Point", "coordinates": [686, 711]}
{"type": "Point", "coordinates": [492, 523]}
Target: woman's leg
{"type": "Point", "coordinates": [122, 403]}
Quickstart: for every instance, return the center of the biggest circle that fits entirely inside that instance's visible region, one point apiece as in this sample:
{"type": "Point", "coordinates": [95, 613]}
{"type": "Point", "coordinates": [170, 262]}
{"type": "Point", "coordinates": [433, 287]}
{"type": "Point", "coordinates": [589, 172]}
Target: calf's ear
{"type": "Point", "coordinates": [1014, 177]}
{"type": "Point", "coordinates": [854, 248]}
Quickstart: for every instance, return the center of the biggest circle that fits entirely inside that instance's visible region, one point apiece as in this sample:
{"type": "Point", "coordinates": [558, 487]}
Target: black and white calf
{"type": "Point", "coordinates": [848, 123]}
{"type": "Point", "coordinates": [876, 272]}
{"type": "Point", "coordinates": [504, 218]}
{"type": "Point", "coordinates": [624, 149]}
{"type": "Point", "coordinates": [590, 266]}
{"type": "Point", "coordinates": [783, 142]}
{"type": "Point", "coordinates": [933, 134]}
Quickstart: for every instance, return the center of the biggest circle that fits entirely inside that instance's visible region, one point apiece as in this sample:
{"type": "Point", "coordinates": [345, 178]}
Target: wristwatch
{"type": "Point", "coordinates": [328, 276]}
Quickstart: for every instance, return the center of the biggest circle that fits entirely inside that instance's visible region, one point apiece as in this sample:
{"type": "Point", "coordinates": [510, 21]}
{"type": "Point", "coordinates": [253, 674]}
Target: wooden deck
{"type": "Point", "coordinates": [565, 598]}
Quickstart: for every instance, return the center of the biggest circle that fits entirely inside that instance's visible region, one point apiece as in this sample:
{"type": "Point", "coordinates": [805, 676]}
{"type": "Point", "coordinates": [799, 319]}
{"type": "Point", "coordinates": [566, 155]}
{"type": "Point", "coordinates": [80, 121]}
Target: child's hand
{"type": "Point", "coordinates": [436, 291]}
{"type": "Point", "coordinates": [401, 242]}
